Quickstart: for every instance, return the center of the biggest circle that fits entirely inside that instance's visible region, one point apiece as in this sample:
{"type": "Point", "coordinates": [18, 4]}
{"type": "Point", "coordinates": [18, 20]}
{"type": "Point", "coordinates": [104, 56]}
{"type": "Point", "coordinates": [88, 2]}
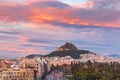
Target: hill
{"type": "Point", "coordinates": [67, 46]}
{"type": "Point", "coordinates": [114, 55]}
{"type": "Point", "coordinates": [68, 49]}
{"type": "Point", "coordinates": [34, 55]}
{"type": "Point", "coordinates": [73, 53]}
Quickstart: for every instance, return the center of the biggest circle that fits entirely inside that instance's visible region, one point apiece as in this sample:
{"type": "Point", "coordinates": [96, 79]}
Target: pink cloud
{"type": "Point", "coordinates": [59, 13]}
{"type": "Point", "coordinates": [23, 39]}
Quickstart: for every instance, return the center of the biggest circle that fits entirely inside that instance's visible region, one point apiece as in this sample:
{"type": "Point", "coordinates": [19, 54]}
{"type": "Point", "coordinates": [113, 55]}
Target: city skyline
{"type": "Point", "coordinates": [41, 26]}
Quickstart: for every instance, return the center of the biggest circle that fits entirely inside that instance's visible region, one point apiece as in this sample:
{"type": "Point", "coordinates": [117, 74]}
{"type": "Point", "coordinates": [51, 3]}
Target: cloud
{"type": "Point", "coordinates": [45, 39]}
{"type": "Point", "coordinates": [107, 4]}
{"type": "Point", "coordinates": [42, 26]}
{"type": "Point", "coordinates": [40, 40]}
{"type": "Point", "coordinates": [53, 3]}
{"type": "Point", "coordinates": [8, 32]}
{"type": "Point", "coordinates": [95, 13]}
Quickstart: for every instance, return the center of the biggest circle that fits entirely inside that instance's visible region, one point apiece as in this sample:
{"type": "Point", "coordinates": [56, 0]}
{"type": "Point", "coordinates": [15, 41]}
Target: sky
{"type": "Point", "coordinates": [41, 26]}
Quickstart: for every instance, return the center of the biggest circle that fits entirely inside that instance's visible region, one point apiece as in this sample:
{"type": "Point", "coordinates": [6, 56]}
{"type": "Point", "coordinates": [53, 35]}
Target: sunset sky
{"type": "Point", "coordinates": [40, 26]}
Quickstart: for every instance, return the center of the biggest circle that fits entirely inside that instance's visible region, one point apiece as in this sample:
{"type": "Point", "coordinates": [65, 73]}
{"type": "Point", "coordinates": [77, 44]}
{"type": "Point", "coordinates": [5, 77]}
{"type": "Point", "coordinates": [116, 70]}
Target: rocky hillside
{"type": "Point", "coordinates": [67, 46]}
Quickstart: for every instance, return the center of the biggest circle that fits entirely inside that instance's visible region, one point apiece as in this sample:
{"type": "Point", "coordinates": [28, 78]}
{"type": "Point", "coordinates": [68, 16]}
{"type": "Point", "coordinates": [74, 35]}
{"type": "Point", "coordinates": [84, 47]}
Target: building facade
{"type": "Point", "coordinates": [20, 74]}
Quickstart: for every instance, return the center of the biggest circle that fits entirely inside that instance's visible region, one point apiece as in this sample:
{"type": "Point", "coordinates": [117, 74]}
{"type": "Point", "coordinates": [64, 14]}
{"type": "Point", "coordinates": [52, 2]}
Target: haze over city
{"type": "Point", "coordinates": [40, 26]}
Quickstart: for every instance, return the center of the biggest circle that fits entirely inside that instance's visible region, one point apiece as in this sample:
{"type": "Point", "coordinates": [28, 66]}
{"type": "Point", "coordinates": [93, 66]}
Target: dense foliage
{"type": "Point", "coordinates": [95, 71]}
{"type": "Point", "coordinates": [34, 55]}
{"type": "Point", "coordinates": [73, 53]}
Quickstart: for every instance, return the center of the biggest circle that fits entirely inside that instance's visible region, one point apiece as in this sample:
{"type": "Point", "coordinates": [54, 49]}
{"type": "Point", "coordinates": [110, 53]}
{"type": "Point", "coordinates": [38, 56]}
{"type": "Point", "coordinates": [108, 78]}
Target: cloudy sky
{"type": "Point", "coordinates": [40, 26]}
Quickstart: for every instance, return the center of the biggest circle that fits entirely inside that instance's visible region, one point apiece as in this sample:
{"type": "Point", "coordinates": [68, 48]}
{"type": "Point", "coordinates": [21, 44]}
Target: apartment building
{"type": "Point", "coordinates": [16, 74]}
{"type": "Point", "coordinates": [32, 64]}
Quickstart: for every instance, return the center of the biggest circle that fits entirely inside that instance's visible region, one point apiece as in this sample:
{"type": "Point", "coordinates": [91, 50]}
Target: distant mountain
{"type": "Point", "coordinates": [114, 55]}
